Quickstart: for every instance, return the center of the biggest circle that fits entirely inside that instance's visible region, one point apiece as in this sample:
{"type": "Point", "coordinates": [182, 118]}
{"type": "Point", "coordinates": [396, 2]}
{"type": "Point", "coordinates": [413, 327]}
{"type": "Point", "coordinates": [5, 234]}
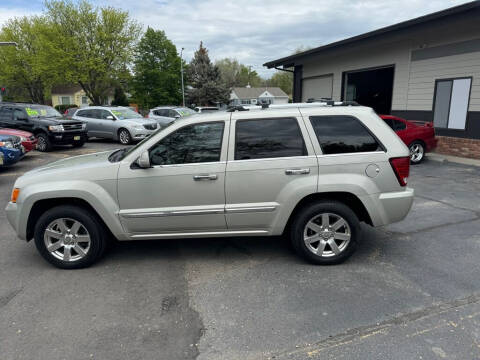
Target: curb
{"type": "Point", "coordinates": [452, 159]}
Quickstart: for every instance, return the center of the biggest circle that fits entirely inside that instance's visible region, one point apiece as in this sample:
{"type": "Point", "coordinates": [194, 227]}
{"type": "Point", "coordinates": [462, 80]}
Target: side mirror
{"type": "Point", "coordinates": [177, 116]}
{"type": "Point", "coordinates": [144, 160]}
{"type": "Point", "coordinates": [110, 117]}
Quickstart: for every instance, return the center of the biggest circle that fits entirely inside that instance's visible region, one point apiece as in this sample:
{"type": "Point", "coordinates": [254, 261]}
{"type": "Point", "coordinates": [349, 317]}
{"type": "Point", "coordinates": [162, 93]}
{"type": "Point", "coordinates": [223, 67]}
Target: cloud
{"type": "Point", "coordinates": [258, 31]}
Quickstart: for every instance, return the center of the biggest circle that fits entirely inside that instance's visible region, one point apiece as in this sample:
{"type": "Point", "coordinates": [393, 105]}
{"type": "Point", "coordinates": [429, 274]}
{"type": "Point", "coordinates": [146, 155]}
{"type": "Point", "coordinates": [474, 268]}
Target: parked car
{"type": "Point", "coordinates": [68, 114]}
{"type": "Point", "coordinates": [28, 140]}
{"type": "Point", "coordinates": [313, 172]}
{"type": "Point", "coordinates": [10, 147]}
{"type": "Point", "coordinates": [166, 115]}
{"type": "Point", "coordinates": [116, 122]}
{"type": "Point", "coordinates": [205, 109]}
{"type": "Point", "coordinates": [46, 123]}
{"type": "Point", "coordinates": [418, 136]}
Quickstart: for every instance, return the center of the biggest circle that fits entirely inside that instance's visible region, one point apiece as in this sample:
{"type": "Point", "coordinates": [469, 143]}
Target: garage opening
{"type": "Point", "coordinates": [373, 88]}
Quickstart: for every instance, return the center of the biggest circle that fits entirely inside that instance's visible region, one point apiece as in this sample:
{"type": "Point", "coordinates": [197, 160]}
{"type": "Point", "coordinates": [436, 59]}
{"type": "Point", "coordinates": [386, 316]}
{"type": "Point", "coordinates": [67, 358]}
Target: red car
{"type": "Point", "coordinates": [419, 136]}
{"type": "Point", "coordinates": [29, 142]}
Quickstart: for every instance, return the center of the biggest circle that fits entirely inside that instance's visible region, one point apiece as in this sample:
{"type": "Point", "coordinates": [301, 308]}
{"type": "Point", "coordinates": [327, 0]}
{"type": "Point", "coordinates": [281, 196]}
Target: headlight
{"type": "Point", "coordinates": [84, 126]}
{"type": "Point", "coordinates": [56, 128]}
{"type": "Point", "coordinates": [6, 144]}
{"type": "Point", "coordinates": [23, 139]}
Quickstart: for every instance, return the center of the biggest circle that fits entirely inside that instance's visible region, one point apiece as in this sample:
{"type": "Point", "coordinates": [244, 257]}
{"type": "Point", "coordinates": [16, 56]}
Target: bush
{"type": "Point", "coordinates": [63, 107]}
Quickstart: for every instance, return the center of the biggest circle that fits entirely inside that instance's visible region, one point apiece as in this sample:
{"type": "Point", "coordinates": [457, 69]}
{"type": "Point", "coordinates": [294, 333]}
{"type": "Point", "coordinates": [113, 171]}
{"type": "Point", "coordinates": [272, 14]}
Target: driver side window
{"type": "Point", "coordinates": [197, 143]}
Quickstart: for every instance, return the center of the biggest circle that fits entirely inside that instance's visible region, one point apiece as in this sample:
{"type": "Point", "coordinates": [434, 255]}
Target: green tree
{"type": "Point", "coordinates": [89, 45]}
{"type": "Point", "coordinates": [156, 71]}
{"type": "Point", "coordinates": [22, 69]}
{"type": "Point", "coordinates": [207, 86]}
{"type": "Point", "coordinates": [283, 80]}
{"type": "Point", "coordinates": [235, 74]}
{"type": "Point", "coordinates": [119, 97]}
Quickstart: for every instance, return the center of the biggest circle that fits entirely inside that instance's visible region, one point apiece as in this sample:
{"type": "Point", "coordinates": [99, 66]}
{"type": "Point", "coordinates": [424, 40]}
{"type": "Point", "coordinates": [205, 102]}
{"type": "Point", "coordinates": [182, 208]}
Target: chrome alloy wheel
{"type": "Point", "coordinates": [416, 152]}
{"type": "Point", "coordinates": [67, 239]}
{"type": "Point", "coordinates": [124, 137]}
{"type": "Point", "coordinates": [327, 235]}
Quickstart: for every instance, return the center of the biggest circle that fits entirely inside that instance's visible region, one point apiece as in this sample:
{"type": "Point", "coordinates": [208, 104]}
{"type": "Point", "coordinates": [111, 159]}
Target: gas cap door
{"type": "Point", "coordinates": [372, 170]}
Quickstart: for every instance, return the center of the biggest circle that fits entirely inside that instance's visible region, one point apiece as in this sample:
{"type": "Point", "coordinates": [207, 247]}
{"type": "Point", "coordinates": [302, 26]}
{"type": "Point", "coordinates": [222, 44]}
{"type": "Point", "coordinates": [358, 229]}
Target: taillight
{"type": "Point", "coordinates": [401, 168]}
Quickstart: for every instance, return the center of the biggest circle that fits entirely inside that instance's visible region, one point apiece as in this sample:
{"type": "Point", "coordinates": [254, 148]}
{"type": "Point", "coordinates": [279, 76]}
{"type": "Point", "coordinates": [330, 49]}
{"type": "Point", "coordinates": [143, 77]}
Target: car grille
{"type": "Point", "coordinates": [150, 126]}
{"type": "Point", "coordinates": [72, 126]}
{"type": "Point", "coordinates": [17, 144]}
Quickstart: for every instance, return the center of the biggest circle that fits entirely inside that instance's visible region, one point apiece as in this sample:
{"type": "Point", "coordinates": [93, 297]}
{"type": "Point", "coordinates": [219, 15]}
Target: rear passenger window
{"type": "Point", "coordinates": [339, 134]}
{"type": "Point", "coordinates": [399, 125]}
{"type": "Point", "coordinates": [268, 138]}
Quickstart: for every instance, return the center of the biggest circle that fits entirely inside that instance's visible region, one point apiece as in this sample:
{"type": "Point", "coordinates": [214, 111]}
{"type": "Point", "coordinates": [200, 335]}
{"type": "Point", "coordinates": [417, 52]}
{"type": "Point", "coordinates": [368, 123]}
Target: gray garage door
{"type": "Point", "coordinates": [317, 87]}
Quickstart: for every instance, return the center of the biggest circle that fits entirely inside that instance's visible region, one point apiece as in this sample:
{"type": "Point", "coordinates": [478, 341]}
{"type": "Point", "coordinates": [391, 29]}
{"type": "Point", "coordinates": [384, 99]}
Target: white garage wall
{"type": "Point", "coordinates": [317, 87]}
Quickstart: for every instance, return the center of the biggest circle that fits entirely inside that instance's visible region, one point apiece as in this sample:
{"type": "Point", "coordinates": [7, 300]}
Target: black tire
{"type": "Point", "coordinates": [417, 147]}
{"type": "Point", "coordinates": [336, 210]}
{"type": "Point", "coordinates": [78, 144]}
{"type": "Point", "coordinates": [43, 142]}
{"type": "Point", "coordinates": [124, 137]}
{"type": "Point", "coordinates": [90, 222]}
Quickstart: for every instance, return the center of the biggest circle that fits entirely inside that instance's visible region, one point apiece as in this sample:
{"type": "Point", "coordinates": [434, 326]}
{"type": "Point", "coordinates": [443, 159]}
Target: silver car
{"type": "Point", "coordinates": [166, 115]}
{"type": "Point", "coordinates": [115, 122]}
{"type": "Point", "coordinates": [310, 171]}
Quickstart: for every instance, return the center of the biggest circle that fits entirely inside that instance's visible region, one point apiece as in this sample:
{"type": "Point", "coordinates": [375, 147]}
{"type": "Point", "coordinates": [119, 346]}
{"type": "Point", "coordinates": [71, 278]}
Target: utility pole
{"type": "Point", "coordinates": [181, 73]}
{"type": "Point", "coordinates": [6, 43]}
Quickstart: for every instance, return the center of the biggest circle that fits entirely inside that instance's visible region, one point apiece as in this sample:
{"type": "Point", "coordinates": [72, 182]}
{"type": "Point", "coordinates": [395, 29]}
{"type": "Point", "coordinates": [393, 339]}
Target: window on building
{"type": "Point", "coordinates": [451, 103]}
{"type": "Point", "coordinates": [196, 143]}
{"type": "Point", "coordinates": [65, 100]}
{"type": "Point", "coordinates": [84, 100]}
{"type": "Point", "coordinates": [339, 134]}
{"type": "Point", "coordinates": [268, 138]}
{"type": "Point", "coordinates": [246, 102]}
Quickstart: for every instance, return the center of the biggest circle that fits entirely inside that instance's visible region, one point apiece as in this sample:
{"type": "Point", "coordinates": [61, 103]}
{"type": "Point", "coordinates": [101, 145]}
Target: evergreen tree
{"type": "Point", "coordinates": [119, 97]}
{"type": "Point", "coordinates": [207, 86]}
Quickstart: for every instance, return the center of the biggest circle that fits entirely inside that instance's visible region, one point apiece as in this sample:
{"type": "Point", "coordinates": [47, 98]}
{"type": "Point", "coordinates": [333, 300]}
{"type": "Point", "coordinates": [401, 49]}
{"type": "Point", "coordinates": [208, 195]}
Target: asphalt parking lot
{"type": "Point", "coordinates": [412, 290]}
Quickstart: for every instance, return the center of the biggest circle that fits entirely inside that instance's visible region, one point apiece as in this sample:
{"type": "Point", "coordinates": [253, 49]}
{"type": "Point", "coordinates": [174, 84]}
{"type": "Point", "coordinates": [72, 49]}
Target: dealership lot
{"type": "Point", "coordinates": [410, 291]}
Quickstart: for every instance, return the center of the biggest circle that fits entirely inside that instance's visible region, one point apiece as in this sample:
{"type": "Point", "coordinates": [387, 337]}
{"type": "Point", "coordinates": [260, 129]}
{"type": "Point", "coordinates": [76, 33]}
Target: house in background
{"type": "Point", "coordinates": [73, 95]}
{"type": "Point", "coordinates": [426, 69]}
{"type": "Point", "coordinates": [257, 95]}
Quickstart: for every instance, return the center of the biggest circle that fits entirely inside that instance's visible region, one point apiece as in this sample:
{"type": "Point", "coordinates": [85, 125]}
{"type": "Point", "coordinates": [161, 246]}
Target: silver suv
{"type": "Point", "coordinates": [166, 115]}
{"type": "Point", "coordinates": [115, 122]}
{"type": "Point", "coordinates": [311, 171]}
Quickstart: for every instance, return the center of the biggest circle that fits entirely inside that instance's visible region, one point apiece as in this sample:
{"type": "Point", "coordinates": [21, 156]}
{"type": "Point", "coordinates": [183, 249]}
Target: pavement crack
{"type": "Point", "coordinates": [364, 332]}
{"type": "Point", "coordinates": [5, 299]}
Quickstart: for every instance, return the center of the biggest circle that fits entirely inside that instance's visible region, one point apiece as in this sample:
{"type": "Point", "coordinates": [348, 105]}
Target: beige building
{"type": "Point", "coordinates": [426, 69]}
{"type": "Point", "coordinates": [73, 95]}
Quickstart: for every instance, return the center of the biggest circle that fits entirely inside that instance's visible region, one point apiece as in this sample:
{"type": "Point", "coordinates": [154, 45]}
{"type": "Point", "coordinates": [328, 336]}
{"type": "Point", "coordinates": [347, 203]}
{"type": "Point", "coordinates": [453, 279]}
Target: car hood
{"type": "Point", "coordinates": [92, 167]}
{"type": "Point", "coordinates": [57, 121]}
{"type": "Point", "coordinates": [6, 131]}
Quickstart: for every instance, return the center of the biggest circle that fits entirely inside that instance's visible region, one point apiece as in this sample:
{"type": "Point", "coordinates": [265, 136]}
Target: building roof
{"type": "Point", "coordinates": [289, 61]}
{"type": "Point", "coordinates": [66, 89]}
{"type": "Point", "coordinates": [255, 92]}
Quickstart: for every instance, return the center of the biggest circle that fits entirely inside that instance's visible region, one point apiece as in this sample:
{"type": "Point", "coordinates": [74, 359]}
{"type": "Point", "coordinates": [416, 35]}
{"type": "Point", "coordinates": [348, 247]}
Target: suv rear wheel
{"type": "Point", "coordinates": [325, 232]}
{"type": "Point", "coordinates": [69, 237]}
{"type": "Point", "coordinates": [43, 143]}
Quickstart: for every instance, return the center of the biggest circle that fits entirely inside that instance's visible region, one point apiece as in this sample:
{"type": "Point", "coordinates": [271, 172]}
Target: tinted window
{"type": "Point", "coordinates": [191, 144]}
{"type": "Point", "coordinates": [399, 125]}
{"type": "Point", "coordinates": [389, 122]}
{"type": "Point", "coordinates": [19, 114]}
{"type": "Point", "coordinates": [84, 113]}
{"type": "Point", "coordinates": [6, 114]}
{"type": "Point", "coordinates": [103, 114]}
{"type": "Point", "coordinates": [343, 134]}
{"type": "Point", "coordinates": [268, 138]}
{"type": "Point", "coordinates": [172, 113]}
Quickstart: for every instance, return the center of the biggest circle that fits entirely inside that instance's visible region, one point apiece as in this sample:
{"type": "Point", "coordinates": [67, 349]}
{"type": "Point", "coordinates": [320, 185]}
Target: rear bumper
{"type": "Point", "coordinates": [29, 145]}
{"type": "Point", "coordinates": [387, 208]}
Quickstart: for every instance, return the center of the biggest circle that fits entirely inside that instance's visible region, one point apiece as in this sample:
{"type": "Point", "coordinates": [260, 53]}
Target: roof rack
{"type": "Point", "coordinates": [309, 103]}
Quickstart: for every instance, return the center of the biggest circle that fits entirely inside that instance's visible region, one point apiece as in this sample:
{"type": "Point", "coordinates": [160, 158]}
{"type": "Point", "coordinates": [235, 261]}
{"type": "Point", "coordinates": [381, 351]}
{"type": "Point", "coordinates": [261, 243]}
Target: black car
{"type": "Point", "coordinates": [46, 123]}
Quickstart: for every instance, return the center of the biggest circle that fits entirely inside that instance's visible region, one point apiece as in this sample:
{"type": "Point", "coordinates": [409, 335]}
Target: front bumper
{"type": "Point", "coordinates": [390, 207]}
{"type": "Point", "coordinates": [13, 218]}
{"type": "Point", "coordinates": [67, 137]}
{"type": "Point", "coordinates": [140, 134]}
{"type": "Point", "coordinates": [11, 156]}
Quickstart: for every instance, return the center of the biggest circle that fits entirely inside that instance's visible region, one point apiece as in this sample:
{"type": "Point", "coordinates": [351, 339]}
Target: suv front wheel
{"type": "Point", "coordinates": [69, 237]}
{"type": "Point", "coordinates": [43, 142]}
{"type": "Point", "coordinates": [325, 232]}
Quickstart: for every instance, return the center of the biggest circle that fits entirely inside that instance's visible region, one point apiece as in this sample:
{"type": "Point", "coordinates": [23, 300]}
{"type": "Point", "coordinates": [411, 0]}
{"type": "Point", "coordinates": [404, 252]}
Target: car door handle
{"type": "Point", "coordinates": [205, 177]}
{"type": "Point", "coordinates": [297, 171]}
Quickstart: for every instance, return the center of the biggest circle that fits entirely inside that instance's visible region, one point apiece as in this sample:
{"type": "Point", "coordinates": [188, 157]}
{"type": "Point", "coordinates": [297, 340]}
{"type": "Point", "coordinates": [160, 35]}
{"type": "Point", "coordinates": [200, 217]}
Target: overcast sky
{"type": "Point", "coordinates": [256, 31]}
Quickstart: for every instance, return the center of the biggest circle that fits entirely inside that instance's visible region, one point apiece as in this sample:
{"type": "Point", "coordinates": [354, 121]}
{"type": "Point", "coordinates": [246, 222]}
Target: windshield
{"type": "Point", "coordinates": [119, 155]}
{"type": "Point", "coordinates": [42, 111]}
{"type": "Point", "coordinates": [185, 111]}
{"type": "Point", "coordinates": [124, 113]}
